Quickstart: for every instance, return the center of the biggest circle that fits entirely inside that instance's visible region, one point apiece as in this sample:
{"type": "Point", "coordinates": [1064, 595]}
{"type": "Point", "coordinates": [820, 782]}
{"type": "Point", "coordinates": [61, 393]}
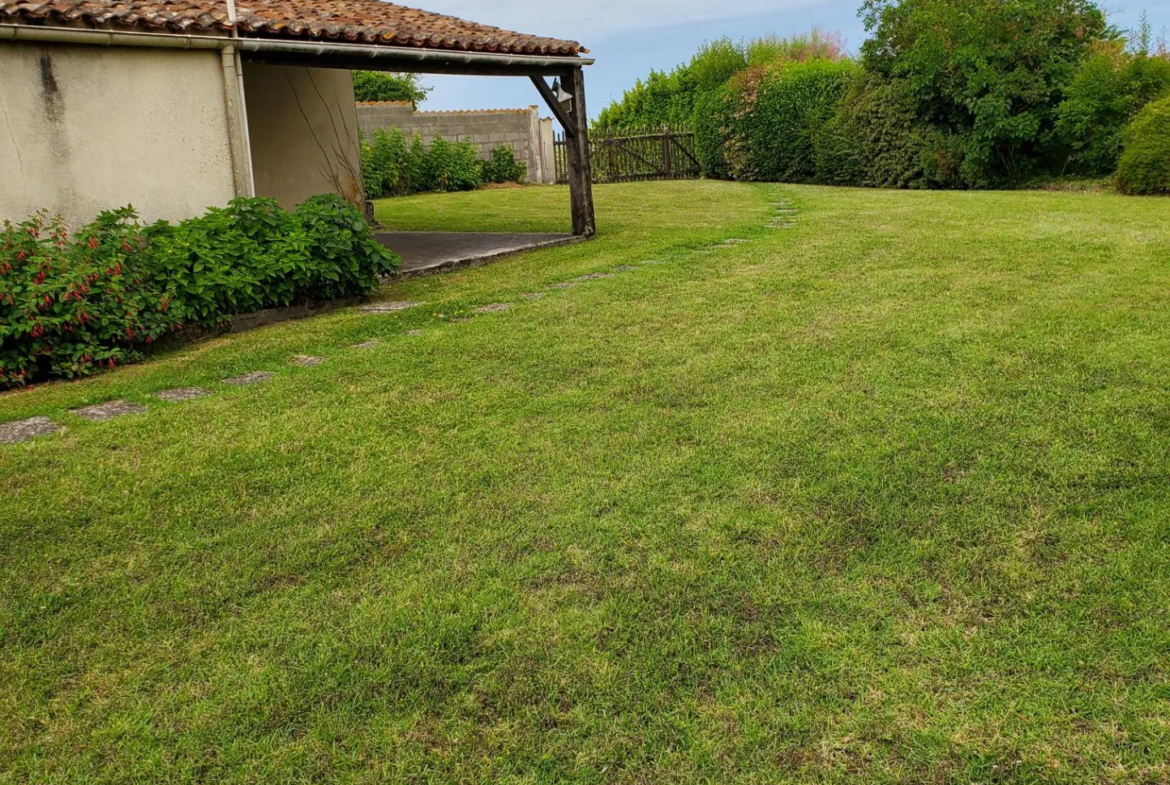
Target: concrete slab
{"type": "Point", "coordinates": [426, 253]}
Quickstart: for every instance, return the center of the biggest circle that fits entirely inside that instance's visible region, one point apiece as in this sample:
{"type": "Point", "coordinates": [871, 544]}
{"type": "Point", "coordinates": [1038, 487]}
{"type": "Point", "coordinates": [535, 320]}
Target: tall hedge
{"type": "Point", "coordinates": [1144, 167]}
{"type": "Point", "coordinates": [778, 118]}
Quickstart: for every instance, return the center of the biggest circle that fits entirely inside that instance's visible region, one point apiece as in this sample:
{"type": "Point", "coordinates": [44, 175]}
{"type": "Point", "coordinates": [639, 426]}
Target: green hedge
{"type": "Point", "coordinates": [392, 166]}
{"type": "Point", "coordinates": [1144, 167]}
{"type": "Point", "coordinates": [72, 304]}
{"type": "Point", "coordinates": [773, 120]}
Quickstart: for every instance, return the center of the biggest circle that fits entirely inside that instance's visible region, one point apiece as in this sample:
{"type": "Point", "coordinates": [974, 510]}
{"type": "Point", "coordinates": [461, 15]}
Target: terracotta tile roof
{"type": "Point", "coordinates": [351, 21]}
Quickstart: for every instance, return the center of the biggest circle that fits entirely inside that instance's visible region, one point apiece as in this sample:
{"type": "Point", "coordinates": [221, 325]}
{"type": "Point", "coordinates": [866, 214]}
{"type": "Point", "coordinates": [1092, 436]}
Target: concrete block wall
{"type": "Point", "coordinates": [520, 129]}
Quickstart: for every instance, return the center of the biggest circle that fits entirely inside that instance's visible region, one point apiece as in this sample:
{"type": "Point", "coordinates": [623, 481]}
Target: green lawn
{"type": "Point", "coordinates": [882, 497]}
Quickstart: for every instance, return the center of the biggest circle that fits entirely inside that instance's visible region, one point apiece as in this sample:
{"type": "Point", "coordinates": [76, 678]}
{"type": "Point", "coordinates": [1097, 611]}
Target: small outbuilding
{"type": "Point", "coordinates": [177, 106]}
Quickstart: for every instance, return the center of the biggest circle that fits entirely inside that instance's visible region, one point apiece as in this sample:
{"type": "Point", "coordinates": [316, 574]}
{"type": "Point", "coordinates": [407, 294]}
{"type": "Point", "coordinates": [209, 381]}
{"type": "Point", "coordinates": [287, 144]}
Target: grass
{"type": "Point", "coordinates": [879, 498]}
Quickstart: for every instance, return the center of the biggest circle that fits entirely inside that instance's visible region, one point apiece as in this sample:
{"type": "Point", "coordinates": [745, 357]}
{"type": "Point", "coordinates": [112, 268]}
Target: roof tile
{"type": "Point", "coordinates": [353, 21]}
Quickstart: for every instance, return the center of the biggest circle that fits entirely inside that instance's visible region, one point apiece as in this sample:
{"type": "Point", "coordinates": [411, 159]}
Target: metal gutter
{"type": "Point", "coordinates": [72, 35]}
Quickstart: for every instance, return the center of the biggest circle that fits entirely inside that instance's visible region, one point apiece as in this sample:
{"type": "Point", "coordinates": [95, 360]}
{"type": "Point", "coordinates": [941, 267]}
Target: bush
{"type": "Point", "coordinates": [385, 164]}
{"type": "Point", "coordinates": [1108, 91]}
{"type": "Point", "coordinates": [71, 305]}
{"type": "Point", "coordinates": [503, 167]}
{"type": "Point", "coordinates": [881, 145]}
{"type": "Point", "coordinates": [452, 166]}
{"type": "Point", "coordinates": [392, 167]}
{"type": "Point", "coordinates": [780, 117]}
{"type": "Point", "coordinates": [1144, 167]}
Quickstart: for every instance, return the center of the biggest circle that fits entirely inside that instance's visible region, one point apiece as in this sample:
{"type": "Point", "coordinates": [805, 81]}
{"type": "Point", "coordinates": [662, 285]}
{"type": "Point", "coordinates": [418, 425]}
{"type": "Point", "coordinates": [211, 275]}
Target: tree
{"type": "Point", "coordinates": [985, 76]}
{"type": "Point", "coordinates": [383, 86]}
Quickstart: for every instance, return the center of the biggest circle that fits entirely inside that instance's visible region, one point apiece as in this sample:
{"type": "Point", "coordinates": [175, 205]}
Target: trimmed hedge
{"type": "Point", "coordinates": [1144, 167]}
{"type": "Point", "coordinates": [70, 305]}
{"type": "Point", "coordinates": [773, 120]}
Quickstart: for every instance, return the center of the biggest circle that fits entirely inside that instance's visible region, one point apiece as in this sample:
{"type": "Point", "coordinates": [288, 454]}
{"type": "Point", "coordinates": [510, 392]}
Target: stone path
{"type": "Point", "coordinates": [249, 378]}
{"type": "Point", "coordinates": [23, 430]}
{"type": "Point", "coordinates": [391, 307]}
{"type": "Point", "coordinates": [180, 394]}
{"type": "Point", "coordinates": [783, 215]}
{"type": "Point", "coordinates": [100, 412]}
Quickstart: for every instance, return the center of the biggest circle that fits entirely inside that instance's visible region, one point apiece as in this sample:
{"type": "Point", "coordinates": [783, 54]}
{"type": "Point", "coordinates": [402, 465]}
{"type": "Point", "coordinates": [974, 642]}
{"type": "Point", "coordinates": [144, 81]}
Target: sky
{"type": "Point", "coordinates": [630, 37]}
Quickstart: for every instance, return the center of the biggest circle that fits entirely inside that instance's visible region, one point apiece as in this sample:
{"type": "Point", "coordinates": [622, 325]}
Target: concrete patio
{"type": "Point", "coordinates": [426, 253]}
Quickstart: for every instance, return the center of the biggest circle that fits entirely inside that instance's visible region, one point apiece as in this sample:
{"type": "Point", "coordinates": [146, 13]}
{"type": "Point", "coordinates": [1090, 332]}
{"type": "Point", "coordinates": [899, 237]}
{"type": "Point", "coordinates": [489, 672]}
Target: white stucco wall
{"type": "Point", "coordinates": [302, 124]}
{"type": "Point", "coordinates": [88, 128]}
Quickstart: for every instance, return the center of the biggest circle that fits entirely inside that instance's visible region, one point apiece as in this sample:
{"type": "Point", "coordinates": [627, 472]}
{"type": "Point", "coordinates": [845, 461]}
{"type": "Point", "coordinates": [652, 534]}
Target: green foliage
{"type": "Point", "coordinates": [69, 306]}
{"type": "Point", "coordinates": [503, 167]}
{"type": "Point", "coordinates": [383, 86]}
{"type": "Point", "coordinates": [385, 164]}
{"type": "Point", "coordinates": [663, 99]}
{"type": "Point", "coordinates": [452, 166]}
{"type": "Point", "coordinates": [782, 116]}
{"type": "Point", "coordinates": [1144, 167]}
{"type": "Point", "coordinates": [986, 75]}
{"type": "Point", "coordinates": [393, 167]}
{"type": "Point", "coordinates": [1108, 91]}
{"type": "Point", "coordinates": [817, 44]}
{"type": "Point", "coordinates": [672, 98]}
{"type": "Point", "coordinates": [875, 135]}
{"type": "Point", "coordinates": [714, 115]}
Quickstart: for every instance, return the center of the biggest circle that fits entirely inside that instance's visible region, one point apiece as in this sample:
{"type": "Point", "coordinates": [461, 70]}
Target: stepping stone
{"type": "Point", "coordinates": [654, 261]}
{"type": "Point", "coordinates": [22, 430]}
{"type": "Point", "coordinates": [180, 394]}
{"type": "Point", "coordinates": [305, 361]}
{"type": "Point", "coordinates": [564, 285]}
{"type": "Point", "coordinates": [107, 411]}
{"type": "Point", "coordinates": [533, 295]}
{"type": "Point", "coordinates": [414, 332]}
{"type": "Point", "coordinates": [249, 378]}
{"type": "Point", "coordinates": [593, 276]}
{"type": "Point", "coordinates": [625, 268]}
{"type": "Point", "coordinates": [493, 308]}
{"type": "Point", "coordinates": [390, 307]}
{"type": "Point", "coordinates": [367, 345]}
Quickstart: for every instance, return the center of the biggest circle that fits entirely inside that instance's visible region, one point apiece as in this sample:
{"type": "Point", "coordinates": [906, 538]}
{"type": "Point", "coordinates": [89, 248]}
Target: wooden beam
{"type": "Point", "coordinates": [580, 165]}
{"type": "Point", "coordinates": [550, 98]}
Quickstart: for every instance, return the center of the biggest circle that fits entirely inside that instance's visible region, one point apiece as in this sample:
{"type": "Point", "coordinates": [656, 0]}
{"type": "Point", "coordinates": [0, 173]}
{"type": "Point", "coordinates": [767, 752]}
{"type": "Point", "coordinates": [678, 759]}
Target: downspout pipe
{"type": "Point", "coordinates": [404, 54]}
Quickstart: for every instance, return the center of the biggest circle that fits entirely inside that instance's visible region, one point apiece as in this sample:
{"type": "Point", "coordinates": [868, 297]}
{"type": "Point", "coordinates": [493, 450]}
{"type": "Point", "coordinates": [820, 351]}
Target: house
{"type": "Point", "coordinates": [176, 106]}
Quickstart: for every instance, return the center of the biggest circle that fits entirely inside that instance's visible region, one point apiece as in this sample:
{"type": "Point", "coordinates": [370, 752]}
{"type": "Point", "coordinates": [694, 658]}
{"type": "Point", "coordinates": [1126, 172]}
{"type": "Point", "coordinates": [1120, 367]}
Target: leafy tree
{"type": "Point", "coordinates": [984, 75]}
{"type": "Point", "coordinates": [383, 86]}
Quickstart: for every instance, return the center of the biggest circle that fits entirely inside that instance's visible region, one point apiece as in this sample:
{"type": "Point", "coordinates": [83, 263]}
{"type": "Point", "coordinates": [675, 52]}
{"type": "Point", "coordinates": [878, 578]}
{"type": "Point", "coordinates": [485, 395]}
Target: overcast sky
{"type": "Point", "coordinates": [629, 37]}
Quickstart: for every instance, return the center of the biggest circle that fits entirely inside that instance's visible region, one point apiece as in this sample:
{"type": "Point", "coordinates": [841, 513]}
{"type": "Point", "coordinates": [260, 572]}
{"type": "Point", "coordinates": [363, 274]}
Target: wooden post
{"type": "Point", "coordinates": [580, 165]}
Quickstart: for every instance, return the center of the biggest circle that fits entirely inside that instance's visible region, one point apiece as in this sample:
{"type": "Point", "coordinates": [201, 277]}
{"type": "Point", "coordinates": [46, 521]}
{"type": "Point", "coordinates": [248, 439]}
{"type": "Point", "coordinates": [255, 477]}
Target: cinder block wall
{"type": "Point", "coordinates": [521, 129]}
